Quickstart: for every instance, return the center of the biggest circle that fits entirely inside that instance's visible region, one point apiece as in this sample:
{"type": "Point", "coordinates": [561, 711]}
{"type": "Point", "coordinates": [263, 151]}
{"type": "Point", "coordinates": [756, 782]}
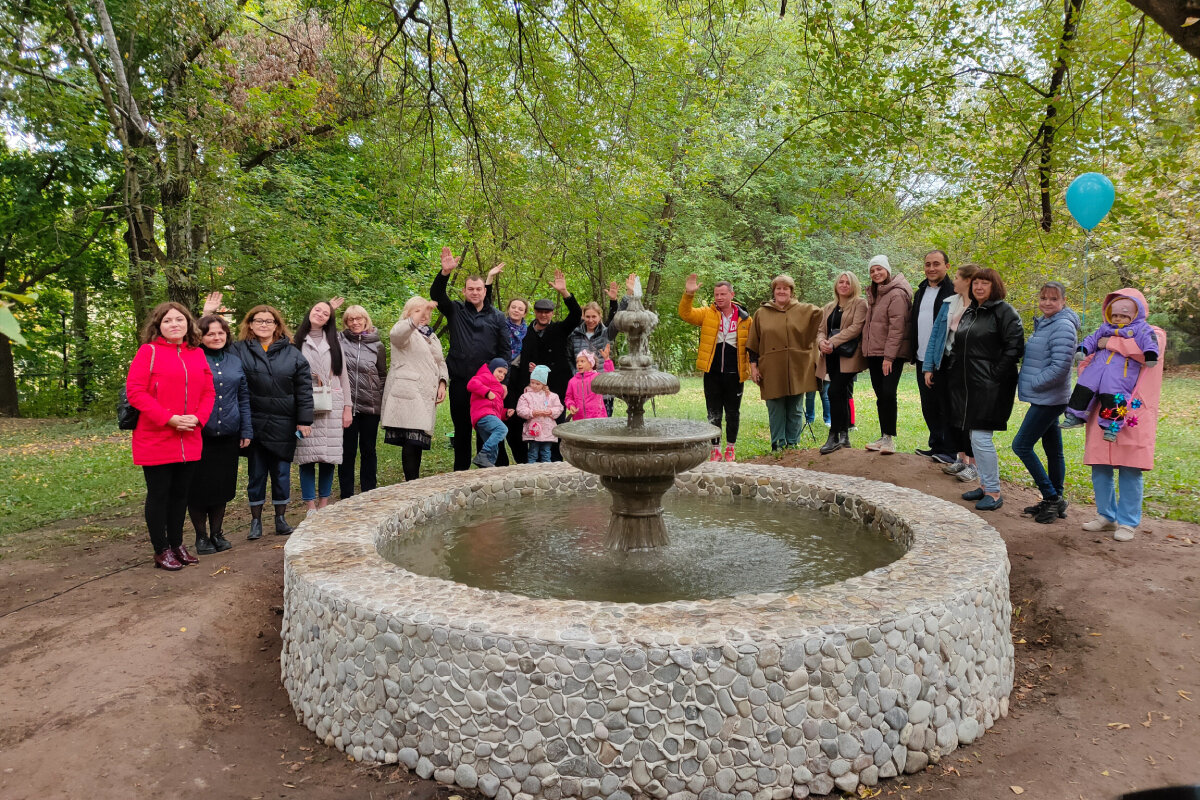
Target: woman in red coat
{"type": "Point", "coordinates": [171, 384]}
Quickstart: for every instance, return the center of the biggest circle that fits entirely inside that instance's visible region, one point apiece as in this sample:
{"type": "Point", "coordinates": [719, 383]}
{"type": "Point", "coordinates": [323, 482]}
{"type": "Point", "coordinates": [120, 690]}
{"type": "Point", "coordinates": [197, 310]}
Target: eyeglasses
{"type": "Point", "coordinates": [267, 321]}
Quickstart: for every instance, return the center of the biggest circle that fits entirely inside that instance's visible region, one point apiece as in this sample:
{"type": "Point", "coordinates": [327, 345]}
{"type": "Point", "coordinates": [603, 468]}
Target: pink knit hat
{"type": "Point", "coordinates": [590, 356]}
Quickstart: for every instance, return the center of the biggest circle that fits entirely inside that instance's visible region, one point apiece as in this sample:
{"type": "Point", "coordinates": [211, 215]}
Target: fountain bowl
{"type": "Point", "coordinates": [773, 695]}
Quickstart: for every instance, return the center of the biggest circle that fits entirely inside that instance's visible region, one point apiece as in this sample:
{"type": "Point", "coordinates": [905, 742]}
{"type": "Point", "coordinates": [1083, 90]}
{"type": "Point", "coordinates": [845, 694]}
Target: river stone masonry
{"type": "Point", "coordinates": [744, 698]}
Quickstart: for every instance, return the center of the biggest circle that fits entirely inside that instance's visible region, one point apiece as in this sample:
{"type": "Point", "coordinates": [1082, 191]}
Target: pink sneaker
{"type": "Point", "coordinates": [729, 455]}
{"type": "Point", "coordinates": [715, 455]}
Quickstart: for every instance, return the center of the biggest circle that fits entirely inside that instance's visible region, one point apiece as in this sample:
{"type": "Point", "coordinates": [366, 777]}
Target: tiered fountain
{"type": "Point", "coordinates": [770, 689]}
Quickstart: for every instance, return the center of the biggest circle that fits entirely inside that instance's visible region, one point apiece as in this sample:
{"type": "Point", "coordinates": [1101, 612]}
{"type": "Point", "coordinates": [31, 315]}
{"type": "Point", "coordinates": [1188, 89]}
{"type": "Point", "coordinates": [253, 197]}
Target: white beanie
{"type": "Point", "coordinates": [881, 261]}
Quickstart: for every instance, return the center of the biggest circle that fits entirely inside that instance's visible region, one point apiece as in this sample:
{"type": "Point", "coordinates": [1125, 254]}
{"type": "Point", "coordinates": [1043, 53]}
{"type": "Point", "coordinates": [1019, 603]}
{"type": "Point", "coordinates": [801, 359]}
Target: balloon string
{"type": "Point", "coordinates": [1087, 241]}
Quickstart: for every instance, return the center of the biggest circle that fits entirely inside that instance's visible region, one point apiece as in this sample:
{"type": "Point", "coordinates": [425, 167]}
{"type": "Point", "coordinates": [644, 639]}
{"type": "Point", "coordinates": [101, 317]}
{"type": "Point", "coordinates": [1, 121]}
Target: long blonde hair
{"type": "Point", "coordinates": [855, 286]}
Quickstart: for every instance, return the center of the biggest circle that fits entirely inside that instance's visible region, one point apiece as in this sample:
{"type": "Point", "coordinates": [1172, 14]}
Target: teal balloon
{"type": "Point", "coordinates": [1090, 198]}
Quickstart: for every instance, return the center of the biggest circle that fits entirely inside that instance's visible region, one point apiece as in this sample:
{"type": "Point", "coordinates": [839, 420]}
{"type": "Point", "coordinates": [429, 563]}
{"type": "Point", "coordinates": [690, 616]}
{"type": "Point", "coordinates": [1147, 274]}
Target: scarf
{"type": "Point", "coordinates": [425, 331]}
{"type": "Point", "coordinates": [516, 335]}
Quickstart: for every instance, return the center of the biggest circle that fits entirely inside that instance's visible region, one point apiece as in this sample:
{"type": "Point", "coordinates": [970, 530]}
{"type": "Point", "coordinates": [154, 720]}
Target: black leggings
{"type": "Point", "coordinates": [841, 389]}
{"type": "Point", "coordinates": [723, 395]}
{"type": "Point", "coordinates": [885, 387]}
{"type": "Point", "coordinates": [167, 488]}
{"type": "Point", "coordinates": [363, 434]}
{"type": "Point", "coordinates": [410, 460]}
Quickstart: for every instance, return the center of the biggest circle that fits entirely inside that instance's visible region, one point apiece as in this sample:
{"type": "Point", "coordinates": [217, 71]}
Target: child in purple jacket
{"type": "Point", "coordinates": [1110, 377]}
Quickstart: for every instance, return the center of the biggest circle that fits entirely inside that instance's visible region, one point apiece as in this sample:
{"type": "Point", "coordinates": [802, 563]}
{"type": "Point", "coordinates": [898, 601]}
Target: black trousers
{"type": "Point", "coordinates": [885, 387]}
{"type": "Point", "coordinates": [723, 396]}
{"type": "Point", "coordinates": [841, 389]}
{"type": "Point", "coordinates": [935, 408]}
{"type": "Point", "coordinates": [363, 434]}
{"type": "Point", "coordinates": [167, 488]}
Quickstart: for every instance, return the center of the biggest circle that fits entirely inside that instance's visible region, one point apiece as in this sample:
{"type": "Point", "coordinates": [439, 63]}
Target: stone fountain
{"type": "Point", "coordinates": [636, 461]}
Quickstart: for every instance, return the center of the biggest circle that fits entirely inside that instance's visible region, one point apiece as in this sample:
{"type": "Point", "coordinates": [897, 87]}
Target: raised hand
{"type": "Point", "coordinates": [212, 302]}
{"type": "Point", "coordinates": [449, 262]}
{"type": "Point", "coordinates": [607, 349]}
{"type": "Point", "coordinates": [630, 283]}
{"type": "Point", "coordinates": [559, 284]}
{"type": "Point", "coordinates": [493, 272]}
{"type": "Point", "coordinates": [691, 285]}
{"type": "Point", "coordinates": [614, 292]}
{"type": "Point", "coordinates": [337, 302]}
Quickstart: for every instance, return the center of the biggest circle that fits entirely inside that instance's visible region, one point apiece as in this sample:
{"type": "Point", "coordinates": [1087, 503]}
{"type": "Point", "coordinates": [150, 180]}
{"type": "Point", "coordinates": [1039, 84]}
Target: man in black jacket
{"type": "Point", "coordinates": [477, 335]}
{"type": "Point", "coordinates": [927, 304]}
{"type": "Point", "coordinates": [546, 343]}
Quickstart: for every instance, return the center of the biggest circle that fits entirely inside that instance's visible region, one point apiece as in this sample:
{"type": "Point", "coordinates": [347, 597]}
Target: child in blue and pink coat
{"type": "Point", "coordinates": [1110, 377]}
{"type": "Point", "coordinates": [581, 401]}
{"type": "Point", "coordinates": [540, 408]}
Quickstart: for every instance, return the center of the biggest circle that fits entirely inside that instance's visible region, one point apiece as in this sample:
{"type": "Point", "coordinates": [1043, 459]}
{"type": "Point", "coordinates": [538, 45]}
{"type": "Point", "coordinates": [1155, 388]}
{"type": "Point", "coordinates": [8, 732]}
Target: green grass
{"type": "Point", "coordinates": [57, 469]}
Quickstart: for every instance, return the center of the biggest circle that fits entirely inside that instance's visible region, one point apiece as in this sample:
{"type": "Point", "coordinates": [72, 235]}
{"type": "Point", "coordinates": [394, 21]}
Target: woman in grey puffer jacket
{"type": "Point", "coordinates": [1045, 383]}
{"type": "Point", "coordinates": [366, 370]}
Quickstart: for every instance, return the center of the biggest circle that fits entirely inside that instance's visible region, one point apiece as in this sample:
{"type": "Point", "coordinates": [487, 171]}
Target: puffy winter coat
{"type": "Point", "coordinates": [708, 318]}
{"type": "Point", "coordinates": [854, 316]}
{"type": "Point", "coordinates": [410, 394]}
{"type": "Point", "coordinates": [323, 445]}
{"type": "Point", "coordinates": [983, 370]}
{"type": "Point", "coordinates": [480, 386]}
{"type": "Point", "coordinates": [783, 342]}
{"type": "Point", "coordinates": [177, 382]}
{"type": "Point", "coordinates": [1045, 376]}
{"type": "Point", "coordinates": [587, 404]}
{"type": "Point", "coordinates": [935, 348]}
{"type": "Point", "coordinates": [550, 346]}
{"type": "Point", "coordinates": [580, 341]}
{"type": "Point", "coordinates": [280, 384]}
{"type": "Point", "coordinates": [231, 410]}
{"type": "Point", "coordinates": [539, 429]}
{"type": "Point", "coordinates": [366, 369]}
{"type": "Point", "coordinates": [476, 337]}
{"type": "Point", "coordinates": [887, 332]}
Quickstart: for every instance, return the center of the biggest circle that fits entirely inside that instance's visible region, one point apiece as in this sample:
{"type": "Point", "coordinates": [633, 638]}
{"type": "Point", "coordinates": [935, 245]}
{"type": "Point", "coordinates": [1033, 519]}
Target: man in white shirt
{"type": "Point", "coordinates": [927, 303]}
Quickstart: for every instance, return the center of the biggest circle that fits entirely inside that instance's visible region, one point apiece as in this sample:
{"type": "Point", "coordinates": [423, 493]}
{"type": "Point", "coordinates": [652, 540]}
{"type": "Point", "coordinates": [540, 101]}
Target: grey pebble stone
{"type": "Point", "coordinates": [443, 775]}
{"type": "Point", "coordinates": [408, 757]}
{"type": "Point", "coordinates": [847, 783]}
{"type": "Point", "coordinates": [919, 712]}
{"type": "Point", "coordinates": [916, 762]}
{"type": "Point", "coordinates": [968, 730]}
{"type": "Point", "coordinates": [488, 784]}
{"type": "Point", "coordinates": [839, 767]}
{"type": "Point", "coordinates": [424, 767]}
{"type": "Point", "coordinates": [464, 776]}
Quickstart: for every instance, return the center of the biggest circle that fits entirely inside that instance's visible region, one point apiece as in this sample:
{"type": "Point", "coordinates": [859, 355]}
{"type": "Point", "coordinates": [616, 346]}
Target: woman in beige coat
{"type": "Point", "coordinates": [840, 331]}
{"type": "Point", "coordinates": [887, 344]}
{"type": "Point", "coordinates": [415, 385]}
{"type": "Point", "coordinates": [782, 350]}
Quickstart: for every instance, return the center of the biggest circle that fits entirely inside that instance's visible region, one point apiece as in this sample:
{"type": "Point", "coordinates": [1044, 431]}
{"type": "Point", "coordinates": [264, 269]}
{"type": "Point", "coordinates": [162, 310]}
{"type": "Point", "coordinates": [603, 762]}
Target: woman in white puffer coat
{"type": "Point", "coordinates": [416, 383]}
{"type": "Point", "coordinates": [320, 451]}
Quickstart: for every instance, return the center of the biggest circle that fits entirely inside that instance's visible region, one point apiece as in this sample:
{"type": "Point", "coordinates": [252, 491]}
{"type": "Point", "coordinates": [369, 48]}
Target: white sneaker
{"type": "Point", "coordinates": [878, 443]}
{"type": "Point", "coordinates": [968, 474]}
{"type": "Point", "coordinates": [955, 468]}
{"type": "Point", "coordinates": [1101, 524]}
{"type": "Point", "coordinates": [1123, 533]}
{"type": "Point", "coordinates": [887, 445]}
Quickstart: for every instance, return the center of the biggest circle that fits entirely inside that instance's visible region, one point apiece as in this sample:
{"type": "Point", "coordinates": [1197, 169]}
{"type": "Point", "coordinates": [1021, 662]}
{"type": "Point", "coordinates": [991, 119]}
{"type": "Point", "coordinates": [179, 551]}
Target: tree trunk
{"type": "Point", "coordinates": [1171, 15]}
{"type": "Point", "coordinates": [83, 351]}
{"type": "Point", "coordinates": [658, 256]}
{"type": "Point", "coordinates": [8, 380]}
{"type": "Point", "coordinates": [1071, 14]}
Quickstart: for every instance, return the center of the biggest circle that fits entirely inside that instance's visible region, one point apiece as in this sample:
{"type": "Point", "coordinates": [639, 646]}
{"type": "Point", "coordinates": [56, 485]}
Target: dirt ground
{"type": "Point", "coordinates": [121, 681]}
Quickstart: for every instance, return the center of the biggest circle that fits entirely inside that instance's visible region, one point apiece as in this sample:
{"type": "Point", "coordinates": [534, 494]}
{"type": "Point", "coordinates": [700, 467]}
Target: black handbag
{"type": "Point", "coordinates": [845, 349]}
{"type": "Point", "coordinates": [127, 415]}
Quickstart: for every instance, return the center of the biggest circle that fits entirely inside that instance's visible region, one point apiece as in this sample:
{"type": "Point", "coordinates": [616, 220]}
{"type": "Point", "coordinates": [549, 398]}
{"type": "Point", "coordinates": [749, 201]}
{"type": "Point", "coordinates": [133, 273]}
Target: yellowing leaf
{"type": "Point", "coordinates": [1190, 21]}
{"type": "Point", "coordinates": [1017, 790]}
{"type": "Point", "coordinates": [1118, 726]}
{"type": "Point", "coordinates": [183, 630]}
{"type": "Point", "coordinates": [1185, 695]}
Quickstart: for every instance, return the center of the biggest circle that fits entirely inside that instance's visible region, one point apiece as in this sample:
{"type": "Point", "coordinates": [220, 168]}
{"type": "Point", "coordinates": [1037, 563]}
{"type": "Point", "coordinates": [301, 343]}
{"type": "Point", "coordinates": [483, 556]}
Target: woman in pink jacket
{"type": "Point", "coordinates": [171, 385]}
{"type": "Point", "coordinates": [1133, 451]}
{"type": "Point", "coordinates": [581, 401]}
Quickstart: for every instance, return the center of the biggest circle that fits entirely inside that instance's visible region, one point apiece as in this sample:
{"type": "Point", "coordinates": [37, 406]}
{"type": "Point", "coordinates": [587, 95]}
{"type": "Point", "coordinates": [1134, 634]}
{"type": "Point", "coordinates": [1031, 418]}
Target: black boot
{"type": "Point", "coordinates": [831, 444]}
{"type": "Point", "coordinates": [205, 546]}
{"type": "Point", "coordinates": [221, 543]}
{"type": "Point", "coordinates": [281, 526]}
{"type": "Point", "coordinates": [255, 523]}
{"type": "Point", "coordinates": [199, 515]}
{"type": "Point", "coordinates": [844, 439]}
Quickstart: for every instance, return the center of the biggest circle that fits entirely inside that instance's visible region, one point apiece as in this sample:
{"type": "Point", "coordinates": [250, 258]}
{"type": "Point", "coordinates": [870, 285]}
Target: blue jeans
{"type": "Point", "coordinates": [1127, 510]}
{"type": "Point", "coordinates": [494, 430]}
{"type": "Point", "coordinates": [810, 405]}
{"type": "Point", "coordinates": [309, 476]}
{"type": "Point", "coordinates": [263, 463]}
{"type": "Point", "coordinates": [986, 460]}
{"type": "Point", "coordinates": [785, 416]}
{"type": "Point", "coordinates": [1041, 422]}
{"type": "Point", "coordinates": [538, 451]}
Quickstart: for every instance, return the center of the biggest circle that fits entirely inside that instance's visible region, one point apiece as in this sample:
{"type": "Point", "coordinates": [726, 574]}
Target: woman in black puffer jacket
{"type": "Point", "coordinates": [988, 346]}
{"type": "Point", "coordinates": [366, 369]}
{"type": "Point", "coordinates": [281, 409]}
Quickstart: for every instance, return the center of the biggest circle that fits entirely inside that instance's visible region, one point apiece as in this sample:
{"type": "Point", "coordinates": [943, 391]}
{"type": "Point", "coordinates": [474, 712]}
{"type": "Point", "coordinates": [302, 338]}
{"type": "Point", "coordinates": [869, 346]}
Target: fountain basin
{"type": "Point", "coordinates": [789, 694]}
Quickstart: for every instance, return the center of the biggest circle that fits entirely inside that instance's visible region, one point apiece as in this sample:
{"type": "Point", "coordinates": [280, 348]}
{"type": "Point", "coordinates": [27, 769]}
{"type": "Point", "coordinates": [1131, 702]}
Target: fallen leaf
{"type": "Point", "coordinates": [1018, 641]}
{"type": "Point", "coordinates": [183, 630]}
{"type": "Point", "coordinates": [1095, 634]}
{"type": "Point", "coordinates": [1104, 773]}
{"type": "Point", "coordinates": [1017, 790]}
{"type": "Point", "coordinates": [1118, 726]}
{"type": "Point", "coordinates": [1189, 22]}
{"type": "Point", "coordinates": [1185, 695]}
{"type": "Point", "coordinates": [235, 708]}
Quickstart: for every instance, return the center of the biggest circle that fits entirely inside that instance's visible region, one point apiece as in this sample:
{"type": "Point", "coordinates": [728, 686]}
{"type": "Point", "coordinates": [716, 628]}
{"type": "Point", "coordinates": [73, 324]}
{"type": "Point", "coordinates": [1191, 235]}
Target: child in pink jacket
{"type": "Point", "coordinates": [581, 401]}
{"type": "Point", "coordinates": [540, 408]}
{"type": "Point", "coordinates": [487, 409]}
